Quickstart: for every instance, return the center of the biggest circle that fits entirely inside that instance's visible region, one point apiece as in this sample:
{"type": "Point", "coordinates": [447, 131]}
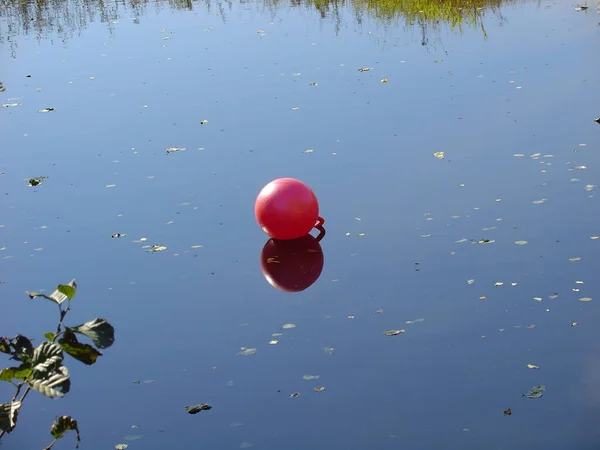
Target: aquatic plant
{"type": "Point", "coordinates": [41, 368]}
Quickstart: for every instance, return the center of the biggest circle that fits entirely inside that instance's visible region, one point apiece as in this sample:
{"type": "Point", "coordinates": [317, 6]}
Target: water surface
{"type": "Point", "coordinates": [512, 110]}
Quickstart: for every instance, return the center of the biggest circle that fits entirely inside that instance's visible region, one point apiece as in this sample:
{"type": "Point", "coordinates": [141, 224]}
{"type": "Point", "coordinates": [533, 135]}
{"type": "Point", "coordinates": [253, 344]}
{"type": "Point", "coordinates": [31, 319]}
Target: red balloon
{"type": "Point", "coordinates": [292, 265]}
{"type": "Point", "coordinates": [286, 208]}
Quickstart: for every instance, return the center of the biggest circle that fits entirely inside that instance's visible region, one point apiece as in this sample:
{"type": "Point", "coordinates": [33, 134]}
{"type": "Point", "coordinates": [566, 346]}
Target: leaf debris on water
{"type": "Point", "coordinates": [384, 80]}
{"type": "Point", "coordinates": [365, 69]}
{"type": "Point", "coordinates": [535, 392]}
{"type": "Point", "coordinates": [117, 235]}
{"type": "Point", "coordinates": [156, 248]}
{"type": "Point", "coordinates": [195, 409]}
{"type": "Point", "coordinates": [439, 155]}
{"type": "Point", "coordinates": [520, 242]}
{"type": "Point", "coordinates": [295, 394]}
{"type": "Point", "coordinates": [394, 332]}
{"type": "Point", "coordinates": [121, 446]}
{"type": "Point", "coordinates": [33, 182]}
{"type": "Point", "coordinates": [287, 326]}
{"type": "Point", "coordinates": [575, 258]}
{"type": "Point", "coordinates": [110, 186]}
{"type": "Point", "coordinates": [410, 322]}
{"type": "Point", "coordinates": [585, 299]}
{"type": "Point", "coordinates": [319, 389]}
{"type": "Point", "coordinates": [175, 149]}
{"type": "Point", "coordinates": [308, 150]}
{"type": "Point", "coordinates": [507, 412]}
{"type": "Point", "coordinates": [533, 366]}
{"type": "Point", "coordinates": [246, 351]}
{"type": "Point", "coordinates": [203, 122]}
{"type": "Point", "coordinates": [45, 110]}
{"type": "Point", "coordinates": [311, 377]}
{"type": "Point", "coordinates": [133, 437]}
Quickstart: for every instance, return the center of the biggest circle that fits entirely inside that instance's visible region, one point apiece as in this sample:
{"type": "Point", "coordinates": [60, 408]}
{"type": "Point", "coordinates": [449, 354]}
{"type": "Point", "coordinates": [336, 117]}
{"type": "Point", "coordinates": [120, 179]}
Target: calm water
{"type": "Point", "coordinates": [402, 226]}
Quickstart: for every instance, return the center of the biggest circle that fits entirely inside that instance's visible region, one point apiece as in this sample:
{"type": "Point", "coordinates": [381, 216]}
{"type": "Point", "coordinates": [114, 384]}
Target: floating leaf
{"type": "Point", "coordinates": [62, 425]}
{"type": "Point", "coordinates": [203, 122]}
{"type": "Point", "coordinates": [311, 377]}
{"type": "Point", "coordinates": [410, 322]}
{"type": "Point", "coordinates": [384, 80]}
{"type": "Point", "coordinates": [393, 332]}
{"type": "Point", "coordinates": [33, 182]}
{"type": "Point", "coordinates": [308, 150]}
{"type": "Point", "coordinates": [536, 392]}
{"type": "Point", "coordinates": [157, 248]}
{"type": "Point", "coordinates": [175, 149]}
{"type": "Point", "coordinates": [585, 299]}
{"type": "Point", "coordinates": [8, 416]}
{"type": "Point", "coordinates": [133, 437]}
{"type": "Point", "coordinates": [575, 258]}
{"type": "Point", "coordinates": [246, 351]}
{"type": "Point", "coordinates": [197, 408]}
{"type": "Point", "coordinates": [533, 366]}
{"type": "Point", "coordinates": [439, 155]}
{"type": "Point", "coordinates": [81, 352]}
{"type": "Point", "coordinates": [288, 326]}
{"type": "Point", "coordinates": [520, 242]}
{"type": "Point", "coordinates": [117, 235]}
{"type": "Point", "coordinates": [98, 330]}
{"type": "Point", "coordinates": [295, 395]}
{"type": "Point", "coordinates": [121, 446]}
{"type": "Point", "coordinates": [365, 69]}
{"type": "Point", "coordinates": [319, 389]}
{"type": "Point", "coordinates": [45, 110]}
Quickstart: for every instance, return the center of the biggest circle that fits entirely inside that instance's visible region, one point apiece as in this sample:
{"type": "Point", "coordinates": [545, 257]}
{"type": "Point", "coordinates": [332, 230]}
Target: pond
{"type": "Point", "coordinates": [456, 160]}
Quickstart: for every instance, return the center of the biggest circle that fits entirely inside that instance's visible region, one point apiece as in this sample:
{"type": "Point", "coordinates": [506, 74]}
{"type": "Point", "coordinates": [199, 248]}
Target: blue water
{"type": "Point", "coordinates": [123, 94]}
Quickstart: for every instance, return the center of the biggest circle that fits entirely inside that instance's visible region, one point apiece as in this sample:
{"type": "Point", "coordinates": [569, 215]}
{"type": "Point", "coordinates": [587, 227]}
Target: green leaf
{"type": "Point", "coordinates": [19, 347]}
{"type": "Point", "coordinates": [63, 292]}
{"type": "Point", "coordinates": [62, 425]}
{"type": "Point", "coordinates": [8, 416]}
{"type": "Point", "coordinates": [49, 336]}
{"type": "Point", "coordinates": [48, 376]}
{"type": "Point", "coordinates": [20, 373]}
{"type": "Point", "coordinates": [68, 289]}
{"type": "Point", "coordinates": [52, 384]}
{"type": "Point", "coordinates": [81, 352]}
{"type": "Point", "coordinates": [98, 330]}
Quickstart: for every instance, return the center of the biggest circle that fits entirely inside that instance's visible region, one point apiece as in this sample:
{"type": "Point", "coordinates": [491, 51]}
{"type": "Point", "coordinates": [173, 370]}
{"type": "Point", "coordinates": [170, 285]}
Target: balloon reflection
{"type": "Point", "coordinates": [293, 265]}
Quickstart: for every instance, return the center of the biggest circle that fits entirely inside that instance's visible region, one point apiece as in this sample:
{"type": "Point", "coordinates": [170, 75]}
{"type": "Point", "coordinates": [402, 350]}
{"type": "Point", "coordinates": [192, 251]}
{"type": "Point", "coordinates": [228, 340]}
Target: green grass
{"type": "Point", "coordinates": [69, 17]}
